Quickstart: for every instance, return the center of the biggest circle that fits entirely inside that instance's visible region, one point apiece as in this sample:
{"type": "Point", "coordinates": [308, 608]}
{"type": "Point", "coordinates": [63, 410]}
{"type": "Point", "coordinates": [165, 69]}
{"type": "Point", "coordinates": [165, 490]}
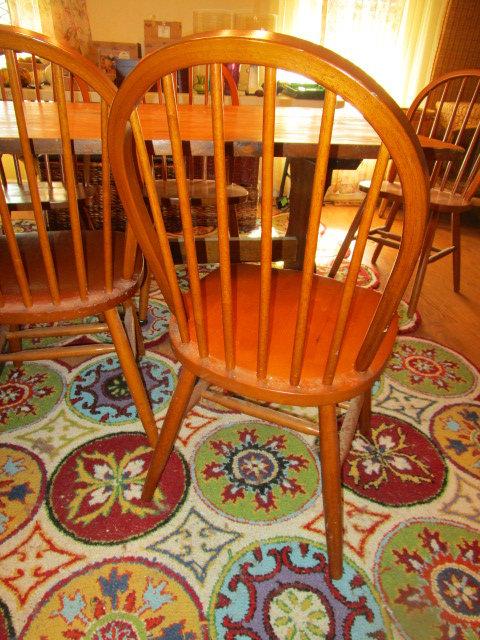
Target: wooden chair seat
{"type": "Point", "coordinates": [70, 306]}
{"type": "Point", "coordinates": [52, 196]}
{"type": "Point", "coordinates": [443, 201]}
{"type": "Point", "coordinates": [325, 302]}
{"type": "Point", "coordinates": [202, 192]}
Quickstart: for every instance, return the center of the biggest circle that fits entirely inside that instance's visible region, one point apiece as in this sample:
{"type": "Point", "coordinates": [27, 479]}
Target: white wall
{"type": "Point", "coordinates": [122, 20]}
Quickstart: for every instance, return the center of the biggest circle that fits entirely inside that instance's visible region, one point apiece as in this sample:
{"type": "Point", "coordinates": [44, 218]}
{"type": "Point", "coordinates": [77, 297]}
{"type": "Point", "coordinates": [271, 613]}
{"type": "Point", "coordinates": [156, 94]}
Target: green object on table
{"type": "Point", "coordinates": [304, 90]}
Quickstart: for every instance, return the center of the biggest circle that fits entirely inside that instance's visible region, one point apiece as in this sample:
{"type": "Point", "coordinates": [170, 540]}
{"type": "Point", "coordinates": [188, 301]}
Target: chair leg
{"type": "Point", "coordinates": [455, 227]}
{"type": "Point", "coordinates": [391, 215]}
{"type": "Point", "coordinates": [382, 209]}
{"type": "Point", "coordinates": [232, 221]}
{"type": "Point", "coordinates": [342, 252]}
{"type": "Point", "coordinates": [132, 375]}
{"type": "Point", "coordinates": [140, 345]}
{"type": "Point", "coordinates": [423, 262]}
{"type": "Point", "coordinates": [365, 418]}
{"type": "Point", "coordinates": [143, 298]}
{"type": "Point", "coordinates": [14, 344]}
{"type": "Point", "coordinates": [169, 430]}
{"type": "Point", "coordinates": [331, 488]}
{"type": "Point", "coordinates": [85, 216]}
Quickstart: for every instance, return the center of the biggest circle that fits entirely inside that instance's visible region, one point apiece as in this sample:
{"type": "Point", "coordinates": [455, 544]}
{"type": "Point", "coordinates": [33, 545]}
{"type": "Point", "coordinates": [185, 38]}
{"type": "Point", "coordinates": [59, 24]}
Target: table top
{"type": "Point", "coordinates": [296, 129]}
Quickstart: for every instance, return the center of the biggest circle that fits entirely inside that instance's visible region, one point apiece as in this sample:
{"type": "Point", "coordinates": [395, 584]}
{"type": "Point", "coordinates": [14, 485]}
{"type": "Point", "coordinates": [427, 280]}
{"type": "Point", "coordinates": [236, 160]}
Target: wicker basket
{"type": "Point", "coordinates": [245, 174]}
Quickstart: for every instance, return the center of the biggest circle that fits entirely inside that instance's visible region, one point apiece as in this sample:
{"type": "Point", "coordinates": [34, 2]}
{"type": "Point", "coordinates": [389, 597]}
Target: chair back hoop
{"type": "Point", "coordinates": [448, 109]}
{"type": "Point", "coordinates": [87, 77]}
{"type": "Point", "coordinates": [339, 77]}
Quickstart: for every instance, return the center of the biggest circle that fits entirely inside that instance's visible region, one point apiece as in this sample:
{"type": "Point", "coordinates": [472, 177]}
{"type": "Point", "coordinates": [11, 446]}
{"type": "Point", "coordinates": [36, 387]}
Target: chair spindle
{"type": "Point", "coordinates": [266, 207]}
{"type": "Point", "coordinates": [70, 181]}
{"type": "Point", "coordinates": [318, 191]}
{"type": "Point", "coordinates": [16, 89]}
{"type": "Point", "coordinates": [185, 211]}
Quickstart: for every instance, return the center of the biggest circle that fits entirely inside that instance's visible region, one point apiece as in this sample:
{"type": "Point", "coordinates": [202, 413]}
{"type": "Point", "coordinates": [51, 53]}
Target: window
{"type": "Point", "coordinates": [4, 12]}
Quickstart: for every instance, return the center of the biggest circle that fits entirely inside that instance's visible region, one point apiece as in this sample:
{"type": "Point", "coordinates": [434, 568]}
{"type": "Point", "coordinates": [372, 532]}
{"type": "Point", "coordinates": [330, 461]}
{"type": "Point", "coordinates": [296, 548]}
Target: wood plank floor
{"type": "Point", "coordinates": [450, 318]}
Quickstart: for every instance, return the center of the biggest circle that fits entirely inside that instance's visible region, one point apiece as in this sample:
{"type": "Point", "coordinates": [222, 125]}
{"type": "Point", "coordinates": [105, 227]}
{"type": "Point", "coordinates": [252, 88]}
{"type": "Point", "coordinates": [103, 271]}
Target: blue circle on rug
{"type": "Point", "coordinates": [156, 325]}
{"type": "Point", "coordinates": [281, 588]}
{"type": "Point", "coordinates": [99, 391]}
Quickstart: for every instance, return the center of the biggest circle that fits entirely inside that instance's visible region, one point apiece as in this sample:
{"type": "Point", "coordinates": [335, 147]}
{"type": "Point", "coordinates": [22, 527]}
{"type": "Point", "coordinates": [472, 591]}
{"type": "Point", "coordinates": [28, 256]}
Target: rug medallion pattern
{"type": "Point", "coordinates": [233, 546]}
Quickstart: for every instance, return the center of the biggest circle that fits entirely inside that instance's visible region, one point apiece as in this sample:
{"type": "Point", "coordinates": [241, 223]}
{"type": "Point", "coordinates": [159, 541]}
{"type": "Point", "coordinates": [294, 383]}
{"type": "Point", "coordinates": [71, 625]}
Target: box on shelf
{"type": "Point", "coordinates": [105, 54]}
{"type": "Point", "coordinates": [158, 33]}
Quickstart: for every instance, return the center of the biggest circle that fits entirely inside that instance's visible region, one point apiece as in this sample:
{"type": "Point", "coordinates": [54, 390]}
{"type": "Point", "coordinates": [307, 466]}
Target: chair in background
{"type": "Point", "coordinates": [447, 109]}
{"type": "Point", "coordinates": [57, 276]}
{"type": "Point", "coordinates": [52, 192]}
{"type": "Point", "coordinates": [272, 335]}
{"type": "Point", "coordinates": [201, 189]}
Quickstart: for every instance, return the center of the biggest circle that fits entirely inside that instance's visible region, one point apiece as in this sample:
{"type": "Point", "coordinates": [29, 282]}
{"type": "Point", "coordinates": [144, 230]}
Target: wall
{"type": "Point", "coordinates": [458, 47]}
{"type": "Point", "coordinates": [122, 20]}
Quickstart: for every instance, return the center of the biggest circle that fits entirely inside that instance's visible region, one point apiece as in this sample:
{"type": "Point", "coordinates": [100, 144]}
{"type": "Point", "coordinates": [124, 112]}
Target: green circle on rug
{"type": "Point", "coordinates": [7, 632]}
{"type": "Point", "coordinates": [427, 572]}
{"type": "Point", "coordinates": [456, 428]}
{"type": "Point", "coordinates": [203, 270]}
{"type": "Point", "coordinates": [99, 392]}
{"type": "Point", "coordinates": [407, 324]}
{"type": "Point", "coordinates": [281, 589]}
{"type": "Point", "coordinates": [123, 598]}
{"type": "Point", "coordinates": [22, 488]}
{"type": "Point", "coordinates": [28, 393]}
{"type": "Point", "coordinates": [431, 369]}
{"type": "Point", "coordinates": [48, 341]}
{"type": "Point", "coordinates": [255, 472]}
{"type": "Point", "coordinates": [95, 492]}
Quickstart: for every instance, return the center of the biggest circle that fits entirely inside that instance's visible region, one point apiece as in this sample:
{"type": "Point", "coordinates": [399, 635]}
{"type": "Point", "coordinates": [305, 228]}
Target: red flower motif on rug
{"type": "Point", "coordinates": [397, 465]}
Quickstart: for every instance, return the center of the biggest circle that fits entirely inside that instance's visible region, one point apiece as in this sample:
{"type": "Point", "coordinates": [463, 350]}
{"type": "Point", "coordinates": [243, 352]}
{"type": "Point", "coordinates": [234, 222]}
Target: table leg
{"type": "Point", "coordinates": [302, 171]}
{"type": "Point", "coordinates": [301, 181]}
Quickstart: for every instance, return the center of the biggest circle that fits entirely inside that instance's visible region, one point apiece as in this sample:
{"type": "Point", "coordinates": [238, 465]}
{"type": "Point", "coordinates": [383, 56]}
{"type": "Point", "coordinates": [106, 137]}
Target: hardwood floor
{"type": "Point", "coordinates": [450, 318]}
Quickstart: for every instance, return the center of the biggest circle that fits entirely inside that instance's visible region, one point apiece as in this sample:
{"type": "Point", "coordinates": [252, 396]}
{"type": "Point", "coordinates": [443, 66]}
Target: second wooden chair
{"type": "Point", "coordinates": [448, 110]}
{"type": "Point", "coordinates": [54, 277]}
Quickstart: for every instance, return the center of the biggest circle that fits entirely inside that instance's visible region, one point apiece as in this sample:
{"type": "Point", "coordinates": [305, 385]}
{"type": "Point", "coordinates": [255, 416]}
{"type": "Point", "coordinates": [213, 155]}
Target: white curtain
{"type": "Point", "coordinates": [393, 40]}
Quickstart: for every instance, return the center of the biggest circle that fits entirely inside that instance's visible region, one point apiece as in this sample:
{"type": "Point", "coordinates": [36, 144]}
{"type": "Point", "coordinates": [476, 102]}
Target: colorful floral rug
{"type": "Point", "coordinates": [233, 545]}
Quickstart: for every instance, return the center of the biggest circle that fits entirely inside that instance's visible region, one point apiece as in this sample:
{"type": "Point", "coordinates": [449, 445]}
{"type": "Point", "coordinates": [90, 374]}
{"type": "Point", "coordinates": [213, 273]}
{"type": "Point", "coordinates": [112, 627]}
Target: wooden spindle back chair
{"type": "Point", "coordinates": [448, 110]}
{"type": "Point", "coordinates": [52, 191]}
{"type": "Point", "coordinates": [56, 276]}
{"type": "Point", "coordinates": [290, 337]}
